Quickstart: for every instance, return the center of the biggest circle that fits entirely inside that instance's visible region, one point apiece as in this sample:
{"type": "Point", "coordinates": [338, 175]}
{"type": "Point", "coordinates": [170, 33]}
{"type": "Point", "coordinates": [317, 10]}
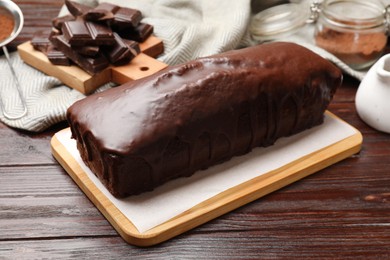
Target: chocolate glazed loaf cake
{"type": "Point", "coordinates": [185, 118]}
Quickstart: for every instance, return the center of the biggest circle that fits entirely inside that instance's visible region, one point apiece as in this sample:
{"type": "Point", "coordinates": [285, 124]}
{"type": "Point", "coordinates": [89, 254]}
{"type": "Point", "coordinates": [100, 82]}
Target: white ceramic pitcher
{"type": "Point", "coordinates": [373, 96]}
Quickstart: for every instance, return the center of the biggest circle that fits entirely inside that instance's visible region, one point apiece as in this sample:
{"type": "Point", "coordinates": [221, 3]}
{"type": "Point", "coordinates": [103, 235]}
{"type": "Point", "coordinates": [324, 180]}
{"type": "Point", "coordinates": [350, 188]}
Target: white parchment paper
{"type": "Point", "coordinates": [150, 209]}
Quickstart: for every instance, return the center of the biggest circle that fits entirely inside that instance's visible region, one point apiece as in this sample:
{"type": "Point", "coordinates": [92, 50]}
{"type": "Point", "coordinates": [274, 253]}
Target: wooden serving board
{"type": "Point", "coordinates": [141, 66]}
{"type": "Point", "coordinates": [215, 206]}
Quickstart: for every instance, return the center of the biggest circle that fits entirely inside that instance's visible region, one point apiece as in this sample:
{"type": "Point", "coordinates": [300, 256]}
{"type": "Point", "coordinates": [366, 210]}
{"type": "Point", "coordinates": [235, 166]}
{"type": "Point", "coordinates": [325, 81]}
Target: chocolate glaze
{"type": "Point", "coordinates": [191, 116]}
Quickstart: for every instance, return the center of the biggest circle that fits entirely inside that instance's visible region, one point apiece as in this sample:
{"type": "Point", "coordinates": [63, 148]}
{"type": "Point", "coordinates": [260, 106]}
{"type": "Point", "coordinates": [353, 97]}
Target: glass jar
{"type": "Point", "coordinates": [278, 22]}
{"type": "Point", "coordinates": [355, 31]}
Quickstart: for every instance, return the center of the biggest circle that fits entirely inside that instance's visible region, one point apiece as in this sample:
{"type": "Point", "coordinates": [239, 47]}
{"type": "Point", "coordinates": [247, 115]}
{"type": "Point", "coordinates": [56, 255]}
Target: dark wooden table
{"type": "Point", "coordinates": [341, 212]}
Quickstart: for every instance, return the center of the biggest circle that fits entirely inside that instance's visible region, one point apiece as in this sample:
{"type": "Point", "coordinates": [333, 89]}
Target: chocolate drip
{"type": "Point", "coordinates": [201, 151]}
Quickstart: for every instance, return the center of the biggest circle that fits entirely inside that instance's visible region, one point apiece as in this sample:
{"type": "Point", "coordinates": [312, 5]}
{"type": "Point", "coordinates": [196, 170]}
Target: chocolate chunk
{"type": "Point", "coordinates": [102, 35]}
{"type": "Point", "coordinates": [90, 51]}
{"type": "Point", "coordinates": [107, 7]}
{"type": "Point", "coordinates": [57, 57]}
{"type": "Point", "coordinates": [125, 18]}
{"type": "Point", "coordinates": [143, 31]}
{"type": "Point", "coordinates": [53, 33]}
{"type": "Point", "coordinates": [88, 64]}
{"type": "Point", "coordinates": [88, 39]}
{"type": "Point", "coordinates": [80, 33]}
{"type": "Point", "coordinates": [133, 51]}
{"type": "Point", "coordinates": [133, 46]}
{"type": "Point", "coordinates": [118, 51]}
{"type": "Point", "coordinates": [40, 40]}
{"type": "Point", "coordinates": [59, 21]}
{"type": "Point", "coordinates": [103, 11]}
{"type": "Point", "coordinates": [76, 33]}
{"type": "Point", "coordinates": [76, 9]}
{"type": "Point", "coordinates": [96, 15]}
{"type": "Point", "coordinates": [139, 34]}
{"type": "Point", "coordinates": [124, 59]}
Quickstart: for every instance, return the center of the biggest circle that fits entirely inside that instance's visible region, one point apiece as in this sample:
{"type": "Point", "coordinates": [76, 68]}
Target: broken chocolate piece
{"type": "Point", "coordinates": [76, 33]}
{"type": "Point", "coordinates": [88, 64]}
{"type": "Point", "coordinates": [143, 31]}
{"type": "Point", "coordinates": [59, 21]}
{"type": "Point", "coordinates": [87, 38]}
{"type": "Point", "coordinates": [125, 18]}
{"type": "Point", "coordinates": [103, 11]}
{"type": "Point", "coordinates": [119, 50]}
{"type": "Point", "coordinates": [76, 9]}
{"type": "Point", "coordinates": [90, 51]}
{"type": "Point", "coordinates": [57, 57]}
{"type": "Point", "coordinates": [133, 46]}
{"type": "Point", "coordinates": [80, 33]}
{"type": "Point", "coordinates": [53, 33]}
{"type": "Point", "coordinates": [102, 35]}
{"type": "Point", "coordinates": [124, 59]}
{"type": "Point", "coordinates": [139, 34]}
{"type": "Point", "coordinates": [40, 40]}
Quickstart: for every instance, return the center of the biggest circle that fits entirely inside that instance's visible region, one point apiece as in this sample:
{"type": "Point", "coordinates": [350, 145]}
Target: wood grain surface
{"type": "Point", "coordinates": [341, 212]}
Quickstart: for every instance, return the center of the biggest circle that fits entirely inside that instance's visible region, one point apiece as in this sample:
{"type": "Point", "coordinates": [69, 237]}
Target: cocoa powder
{"type": "Point", "coordinates": [354, 48]}
{"type": "Point", "coordinates": [7, 24]}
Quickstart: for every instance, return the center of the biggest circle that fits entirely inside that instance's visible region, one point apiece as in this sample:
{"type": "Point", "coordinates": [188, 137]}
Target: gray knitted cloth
{"type": "Point", "coordinates": [188, 28]}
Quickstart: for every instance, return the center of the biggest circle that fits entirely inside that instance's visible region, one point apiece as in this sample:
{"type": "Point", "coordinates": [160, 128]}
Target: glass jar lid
{"type": "Point", "coordinates": [354, 14]}
{"type": "Point", "coordinates": [278, 21]}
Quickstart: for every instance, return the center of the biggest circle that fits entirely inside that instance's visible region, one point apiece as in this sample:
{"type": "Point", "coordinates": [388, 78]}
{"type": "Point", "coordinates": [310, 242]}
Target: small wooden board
{"type": "Point", "coordinates": [141, 66]}
{"type": "Point", "coordinates": [216, 206]}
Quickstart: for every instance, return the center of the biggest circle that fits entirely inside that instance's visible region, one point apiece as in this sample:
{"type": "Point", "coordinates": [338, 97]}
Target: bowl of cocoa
{"type": "Point", "coordinates": [11, 21]}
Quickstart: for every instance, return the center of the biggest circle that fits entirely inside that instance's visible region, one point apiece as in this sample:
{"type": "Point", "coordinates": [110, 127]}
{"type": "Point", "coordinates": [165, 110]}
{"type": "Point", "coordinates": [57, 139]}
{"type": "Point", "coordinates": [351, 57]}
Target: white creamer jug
{"type": "Point", "coordinates": [373, 96]}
